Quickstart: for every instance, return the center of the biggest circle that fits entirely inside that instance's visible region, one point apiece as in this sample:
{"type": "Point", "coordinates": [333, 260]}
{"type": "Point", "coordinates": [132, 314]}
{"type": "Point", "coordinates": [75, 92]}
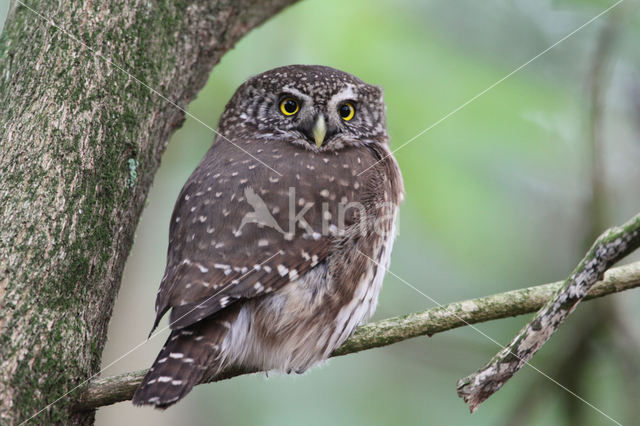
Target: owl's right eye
{"type": "Point", "coordinates": [289, 106]}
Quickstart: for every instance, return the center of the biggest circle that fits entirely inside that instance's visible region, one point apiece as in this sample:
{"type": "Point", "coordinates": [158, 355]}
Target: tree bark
{"type": "Point", "coordinates": [81, 135]}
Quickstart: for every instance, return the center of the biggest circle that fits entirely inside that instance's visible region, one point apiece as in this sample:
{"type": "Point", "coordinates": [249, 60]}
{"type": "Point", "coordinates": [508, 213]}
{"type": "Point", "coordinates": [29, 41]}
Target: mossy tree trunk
{"type": "Point", "coordinates": [80, 142]}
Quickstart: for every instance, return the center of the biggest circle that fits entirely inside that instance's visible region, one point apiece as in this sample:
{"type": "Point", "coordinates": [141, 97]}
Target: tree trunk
{"type": "Point", "coordinates": [81, 135]}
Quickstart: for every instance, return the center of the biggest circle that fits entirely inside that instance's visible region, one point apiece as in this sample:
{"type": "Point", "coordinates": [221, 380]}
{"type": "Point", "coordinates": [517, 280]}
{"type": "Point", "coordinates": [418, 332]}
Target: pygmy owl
{"type": "Point", "coordinates": [279, 240]}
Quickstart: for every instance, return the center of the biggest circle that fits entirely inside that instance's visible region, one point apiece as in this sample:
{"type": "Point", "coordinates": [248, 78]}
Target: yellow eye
{"type": "Point", "coordinates": [289, 106]}
{"type": "Point", "coordinates": [347, 111]}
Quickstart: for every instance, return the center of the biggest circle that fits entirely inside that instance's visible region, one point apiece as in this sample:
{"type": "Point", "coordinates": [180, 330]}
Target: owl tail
{"type": "Point", "coordinates": [185, 358]}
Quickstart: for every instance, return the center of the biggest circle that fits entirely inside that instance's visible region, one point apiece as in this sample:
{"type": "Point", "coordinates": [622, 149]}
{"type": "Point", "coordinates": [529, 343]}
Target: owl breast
{"type": "Point", "coordinates": [301, 325]}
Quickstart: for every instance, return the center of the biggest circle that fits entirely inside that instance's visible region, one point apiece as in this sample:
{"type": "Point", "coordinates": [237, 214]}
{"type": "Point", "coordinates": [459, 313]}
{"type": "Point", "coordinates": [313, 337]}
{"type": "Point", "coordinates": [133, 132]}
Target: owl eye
{"type": "Point", "coordinates": [289, 106]}
{"type": "Point", "coordinates": [347, 111]}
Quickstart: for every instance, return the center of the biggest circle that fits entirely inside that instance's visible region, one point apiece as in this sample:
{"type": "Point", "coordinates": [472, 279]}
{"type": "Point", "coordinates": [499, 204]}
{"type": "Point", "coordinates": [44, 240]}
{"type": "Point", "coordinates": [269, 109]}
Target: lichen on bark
{"type": "Point", "coordinates": [613, 245]}
{"type": "Point", "coordinates": [76, 110]}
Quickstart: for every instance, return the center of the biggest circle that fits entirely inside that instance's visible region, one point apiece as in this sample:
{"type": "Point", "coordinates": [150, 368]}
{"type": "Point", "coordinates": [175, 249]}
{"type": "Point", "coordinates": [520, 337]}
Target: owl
{"type": "Point", "coordinates": [280, 238]}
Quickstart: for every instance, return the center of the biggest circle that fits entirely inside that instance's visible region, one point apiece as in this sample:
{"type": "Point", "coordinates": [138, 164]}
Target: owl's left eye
{"type": "Point", "coordinates": [347, 111]}
{"type": "Point", "coordinates": [289, 106]}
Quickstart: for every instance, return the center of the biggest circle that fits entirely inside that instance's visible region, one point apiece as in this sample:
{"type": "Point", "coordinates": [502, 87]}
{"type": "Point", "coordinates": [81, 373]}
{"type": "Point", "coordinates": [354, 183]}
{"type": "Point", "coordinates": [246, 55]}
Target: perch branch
{"type": "Point", "coordinates": [614, 244]}
{"type": "Point", "coordinates": [114, 389]}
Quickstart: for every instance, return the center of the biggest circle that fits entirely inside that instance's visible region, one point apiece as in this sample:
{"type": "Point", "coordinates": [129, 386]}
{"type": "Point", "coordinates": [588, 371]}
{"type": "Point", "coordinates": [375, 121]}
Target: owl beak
{"type": "Point", "coordinates": [319, 130]}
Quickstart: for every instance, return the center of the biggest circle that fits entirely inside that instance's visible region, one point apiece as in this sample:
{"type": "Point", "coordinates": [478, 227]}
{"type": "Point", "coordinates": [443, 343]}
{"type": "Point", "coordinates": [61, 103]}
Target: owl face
{"type": "Point", "coordinates": [314, 107]}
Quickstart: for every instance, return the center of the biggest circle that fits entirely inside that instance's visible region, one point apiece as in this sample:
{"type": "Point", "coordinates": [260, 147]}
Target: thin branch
{"type": "Point", "coordinates": [576, 358]}
{"type": "Point", "coordinates": [385, 332]}
{"type": "Point", "coordinates": [613, 245]}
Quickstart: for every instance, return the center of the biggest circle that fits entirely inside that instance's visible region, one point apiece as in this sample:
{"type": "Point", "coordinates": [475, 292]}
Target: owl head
{"type": "Point", "coordinates": [315, 107]}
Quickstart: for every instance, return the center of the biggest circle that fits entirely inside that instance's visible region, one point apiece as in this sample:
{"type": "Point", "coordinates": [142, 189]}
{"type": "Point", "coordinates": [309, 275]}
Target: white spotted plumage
{"type": "Point", "coordinates": [272, 268]}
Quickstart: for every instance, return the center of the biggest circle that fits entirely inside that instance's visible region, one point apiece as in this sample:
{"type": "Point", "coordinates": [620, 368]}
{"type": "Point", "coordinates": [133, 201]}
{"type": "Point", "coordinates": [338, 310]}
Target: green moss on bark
{"type": "Point", "coordinates": [72, 125]}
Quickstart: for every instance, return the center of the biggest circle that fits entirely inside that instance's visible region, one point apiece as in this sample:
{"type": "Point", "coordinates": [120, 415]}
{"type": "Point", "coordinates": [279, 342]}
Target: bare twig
{"type": "Point", "coordinates": [436, 320]}
{"type": "Point", "coordinates": [570, 369]}
{"type": "Point", "coordinates": [609, 248]}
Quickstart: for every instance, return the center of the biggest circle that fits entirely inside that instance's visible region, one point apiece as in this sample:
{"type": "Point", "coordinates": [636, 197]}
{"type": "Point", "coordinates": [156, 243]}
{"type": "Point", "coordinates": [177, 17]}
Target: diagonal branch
{"type": "Point", "coordinates": [613, 245]}
{"type": "Point", "coordinates": [392, 330]}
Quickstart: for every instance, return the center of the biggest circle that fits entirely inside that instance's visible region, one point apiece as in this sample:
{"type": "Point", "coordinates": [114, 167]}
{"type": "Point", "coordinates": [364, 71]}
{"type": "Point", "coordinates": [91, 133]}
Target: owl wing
{"type": "Point", "coordinates": [239, 230]}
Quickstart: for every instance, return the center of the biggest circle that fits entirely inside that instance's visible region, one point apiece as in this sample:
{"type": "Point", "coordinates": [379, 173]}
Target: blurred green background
{"type": "Point", "coordinates": [499, 196]}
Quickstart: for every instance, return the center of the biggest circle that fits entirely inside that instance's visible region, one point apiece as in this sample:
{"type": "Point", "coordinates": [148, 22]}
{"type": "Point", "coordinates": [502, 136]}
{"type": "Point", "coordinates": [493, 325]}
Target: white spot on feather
{"type": "Point", "coordinates": [282, 270]}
